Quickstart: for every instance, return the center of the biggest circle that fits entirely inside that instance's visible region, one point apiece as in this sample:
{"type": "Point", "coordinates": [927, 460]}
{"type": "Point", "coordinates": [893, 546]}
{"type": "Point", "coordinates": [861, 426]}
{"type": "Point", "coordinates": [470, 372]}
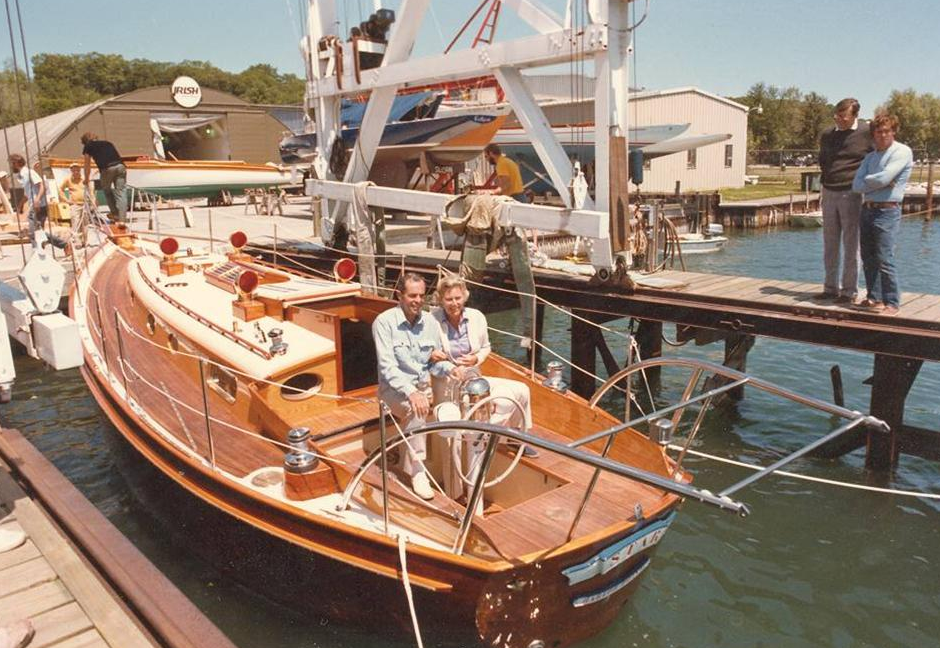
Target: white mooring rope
{"type": "Point", "coordinates": [403, 557]}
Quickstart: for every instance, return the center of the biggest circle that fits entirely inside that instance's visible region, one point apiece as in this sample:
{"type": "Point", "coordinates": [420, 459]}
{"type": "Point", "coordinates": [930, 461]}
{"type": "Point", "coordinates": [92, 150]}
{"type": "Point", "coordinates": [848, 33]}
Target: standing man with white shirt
{"type": "Point", "coordinates": [881, 180]}
{"type": "Point", "coordinates": [841, 150]}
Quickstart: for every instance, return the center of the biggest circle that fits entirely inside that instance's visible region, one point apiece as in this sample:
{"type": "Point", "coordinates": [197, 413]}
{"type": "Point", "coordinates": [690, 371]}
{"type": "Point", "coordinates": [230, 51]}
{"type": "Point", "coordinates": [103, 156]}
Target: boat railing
{"type": "Point", "coordinates": [131, 378]}
{"type": "Point", "coordinates": [663, 421]}
{"type": "Point", "coordinates": [494, 435]}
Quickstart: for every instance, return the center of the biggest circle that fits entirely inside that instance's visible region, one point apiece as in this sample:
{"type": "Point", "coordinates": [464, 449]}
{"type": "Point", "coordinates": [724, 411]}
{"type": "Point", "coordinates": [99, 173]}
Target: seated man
{"type": "Point", "coordinates": [72, 189]}
{"type": "Point", "coordinates": [405, 338]}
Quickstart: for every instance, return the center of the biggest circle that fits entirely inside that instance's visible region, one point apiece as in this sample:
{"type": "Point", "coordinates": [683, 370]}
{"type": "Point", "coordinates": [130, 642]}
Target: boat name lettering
{"type": "Point", "coordinates": [614, 555]}
{"type": "Point", "coordinates": [607, 592]}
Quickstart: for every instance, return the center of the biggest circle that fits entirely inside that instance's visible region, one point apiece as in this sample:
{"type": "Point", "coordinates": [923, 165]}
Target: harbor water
{"type": "Point", "coordinates": [815, 564]}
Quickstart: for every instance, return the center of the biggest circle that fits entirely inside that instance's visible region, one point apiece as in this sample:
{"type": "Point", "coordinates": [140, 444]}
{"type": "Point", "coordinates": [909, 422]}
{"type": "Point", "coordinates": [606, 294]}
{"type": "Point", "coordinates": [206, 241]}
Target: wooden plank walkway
{"type": "Point", "coordinates": [79, 581]}
{"type": "Point", "coordinates": [47, 581]}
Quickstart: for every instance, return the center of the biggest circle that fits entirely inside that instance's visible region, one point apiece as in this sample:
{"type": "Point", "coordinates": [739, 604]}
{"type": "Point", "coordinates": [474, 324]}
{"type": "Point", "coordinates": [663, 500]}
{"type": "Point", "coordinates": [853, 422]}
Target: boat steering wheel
{"type": "Point", "coordinates": [454, 448]}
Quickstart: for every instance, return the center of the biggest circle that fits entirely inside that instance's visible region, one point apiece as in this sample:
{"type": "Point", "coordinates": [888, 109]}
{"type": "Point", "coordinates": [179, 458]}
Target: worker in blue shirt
{"type": "Point", "coordinates": [882, 179]}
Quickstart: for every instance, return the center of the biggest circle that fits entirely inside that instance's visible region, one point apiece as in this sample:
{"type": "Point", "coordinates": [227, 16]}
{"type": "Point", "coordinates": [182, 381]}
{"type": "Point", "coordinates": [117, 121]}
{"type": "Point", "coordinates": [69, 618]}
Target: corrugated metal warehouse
{"type": "Point", "coordinates": [220, 127]}
{"type": "Point", "coordinates": [704, 169]}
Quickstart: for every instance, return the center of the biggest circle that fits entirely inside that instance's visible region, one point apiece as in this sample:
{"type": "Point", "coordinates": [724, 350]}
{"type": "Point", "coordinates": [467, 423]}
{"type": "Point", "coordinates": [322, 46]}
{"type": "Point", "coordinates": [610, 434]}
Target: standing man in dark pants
{"type": "Point", "coordinates": [882, 179]}
{"type": "Point", "coordinates": [841, 150]}
{"type": "Point", "coordinates": [112, 170]}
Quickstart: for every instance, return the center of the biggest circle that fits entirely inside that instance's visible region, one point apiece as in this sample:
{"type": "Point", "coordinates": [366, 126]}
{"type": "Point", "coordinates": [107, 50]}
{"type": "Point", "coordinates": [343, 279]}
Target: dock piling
{"type": "Point", "coordinates": [892, 380]}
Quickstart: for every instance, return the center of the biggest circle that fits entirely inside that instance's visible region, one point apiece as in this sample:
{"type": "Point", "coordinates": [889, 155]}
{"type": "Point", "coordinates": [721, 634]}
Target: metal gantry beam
{"type": "Point", "coordinates": [539, 132]}
{"type": "Point", "coordinates": [531, 51]}
{"type": "Point", "coordinates": [578, 222]}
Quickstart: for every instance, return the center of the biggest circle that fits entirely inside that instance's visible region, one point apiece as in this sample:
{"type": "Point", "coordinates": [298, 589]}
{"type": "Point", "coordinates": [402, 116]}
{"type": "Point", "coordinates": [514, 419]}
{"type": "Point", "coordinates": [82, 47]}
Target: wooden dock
{"type": "Point", "coordinates": [80, 582]}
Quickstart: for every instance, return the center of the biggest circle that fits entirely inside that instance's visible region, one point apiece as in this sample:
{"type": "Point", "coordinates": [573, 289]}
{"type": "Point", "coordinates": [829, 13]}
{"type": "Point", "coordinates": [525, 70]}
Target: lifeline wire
{"type": "Point", "coordinates": [821, 480]}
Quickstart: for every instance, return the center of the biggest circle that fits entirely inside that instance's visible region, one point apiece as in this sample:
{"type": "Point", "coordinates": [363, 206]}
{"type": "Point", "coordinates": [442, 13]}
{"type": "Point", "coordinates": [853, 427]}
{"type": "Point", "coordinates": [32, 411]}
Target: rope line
{"type": "Point", "coordinates": [820, 480]}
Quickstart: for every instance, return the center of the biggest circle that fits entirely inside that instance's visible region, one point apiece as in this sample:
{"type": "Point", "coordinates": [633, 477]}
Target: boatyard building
{"type": "Point", "coordinates": [707, 168]}
{"type": "Point", "coordinates": [158, 122]}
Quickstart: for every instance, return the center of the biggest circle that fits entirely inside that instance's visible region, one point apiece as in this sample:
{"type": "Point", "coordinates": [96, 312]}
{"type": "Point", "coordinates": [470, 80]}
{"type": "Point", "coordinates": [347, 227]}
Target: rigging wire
{"type": "Point", "coordinates": [29, 81]}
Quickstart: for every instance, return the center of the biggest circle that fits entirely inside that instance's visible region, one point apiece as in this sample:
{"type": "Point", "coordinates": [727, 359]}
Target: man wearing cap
{"type": "Point", "coordinates": [112, 170]}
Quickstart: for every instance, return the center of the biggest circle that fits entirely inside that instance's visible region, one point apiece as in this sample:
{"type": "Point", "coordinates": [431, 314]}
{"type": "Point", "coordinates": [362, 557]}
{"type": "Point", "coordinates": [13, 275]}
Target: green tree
{"type": "Point", "coordinates": [777, 124]}
{"type": "Point", "coordinates": [63, 81]}
{"type": "Point", "coordinates": [919, 115]}
{"type": "Point", "coordinates": [815, 117]}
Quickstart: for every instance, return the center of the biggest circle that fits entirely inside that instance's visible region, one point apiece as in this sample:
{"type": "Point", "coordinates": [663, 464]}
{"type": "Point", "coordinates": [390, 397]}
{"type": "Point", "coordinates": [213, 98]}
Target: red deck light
{"type": "Point", "coordinates": [169, 246]}
{"type": "Point", "coordinates": [344, 270]}
{"type": "Point", "coordinates": [248, 281]}
{"type": "Point", "coordinates": [238, 239]}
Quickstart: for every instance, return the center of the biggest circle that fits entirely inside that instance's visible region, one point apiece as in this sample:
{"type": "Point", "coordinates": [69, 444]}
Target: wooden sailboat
{"type": "Point", "coordinates": [213, 366]}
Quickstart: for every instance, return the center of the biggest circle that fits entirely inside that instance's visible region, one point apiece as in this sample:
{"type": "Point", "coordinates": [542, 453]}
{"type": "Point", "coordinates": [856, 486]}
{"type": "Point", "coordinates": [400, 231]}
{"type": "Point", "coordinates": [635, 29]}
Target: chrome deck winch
{"type": "Point", "coordinates": [299, 459]}
{"type": "Point", "coordinates": [554, 378]}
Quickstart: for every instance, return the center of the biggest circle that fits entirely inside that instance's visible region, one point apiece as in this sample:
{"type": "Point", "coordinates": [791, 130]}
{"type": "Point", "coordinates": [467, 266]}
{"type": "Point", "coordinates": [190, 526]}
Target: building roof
{"type": "Point", "coordinates": [648, 94]}
{"type": "Point", "coordinates": [50, 129]}
{"type": "Point", "coordinates": [559, 87]}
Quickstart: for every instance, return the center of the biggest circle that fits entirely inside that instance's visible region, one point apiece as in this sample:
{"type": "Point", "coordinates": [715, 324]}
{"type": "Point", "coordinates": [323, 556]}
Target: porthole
{"type": "Point", "coordinates": [151, 323]}
{"type": "Point", "coordinates": [301, 386]}
{"type": "Point", "coordinates": [173, 342]}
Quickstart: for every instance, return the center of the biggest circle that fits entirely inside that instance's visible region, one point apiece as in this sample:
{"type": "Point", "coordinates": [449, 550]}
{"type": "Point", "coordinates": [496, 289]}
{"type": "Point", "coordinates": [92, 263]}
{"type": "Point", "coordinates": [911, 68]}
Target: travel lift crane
{"type": "Point", "coordinates": [602, 222]}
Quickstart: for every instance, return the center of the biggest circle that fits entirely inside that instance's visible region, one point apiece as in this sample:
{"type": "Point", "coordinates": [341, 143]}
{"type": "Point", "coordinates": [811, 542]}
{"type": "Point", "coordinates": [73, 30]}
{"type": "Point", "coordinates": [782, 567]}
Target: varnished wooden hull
{"type": "Point", "coordinates": [508, 604]}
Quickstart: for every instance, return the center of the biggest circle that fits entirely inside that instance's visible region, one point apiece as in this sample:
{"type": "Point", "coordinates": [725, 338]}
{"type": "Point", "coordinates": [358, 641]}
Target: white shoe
{"type": "Point", "coordinates": [421, 486]}
{"type": "Point", "coordinates": [17, 634]}
{"type": "Point", "coordinates": [10, 539]}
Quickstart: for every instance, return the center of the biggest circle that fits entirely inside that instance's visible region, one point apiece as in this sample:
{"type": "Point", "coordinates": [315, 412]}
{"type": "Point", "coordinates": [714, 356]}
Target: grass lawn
{"type": "Point", "coordinates": [754, 192]}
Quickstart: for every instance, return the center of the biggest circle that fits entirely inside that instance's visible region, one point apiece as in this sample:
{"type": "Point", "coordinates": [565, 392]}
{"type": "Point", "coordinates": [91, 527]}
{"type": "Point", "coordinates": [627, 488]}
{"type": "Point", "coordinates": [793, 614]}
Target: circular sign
{"type": "Point", "coordinates": [186, 92]}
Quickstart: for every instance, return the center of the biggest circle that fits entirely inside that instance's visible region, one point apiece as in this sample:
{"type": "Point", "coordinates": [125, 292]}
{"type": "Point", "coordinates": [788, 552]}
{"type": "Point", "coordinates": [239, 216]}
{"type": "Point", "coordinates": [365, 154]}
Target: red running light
{"type": "Point", "coordinates": [238, 239]}
{"type": "Point", "coordinates": [169, 246]}
{"type": "Point", "coordinates": [248, 281]}
{"type": "Point", "coordinates": [344, 270]}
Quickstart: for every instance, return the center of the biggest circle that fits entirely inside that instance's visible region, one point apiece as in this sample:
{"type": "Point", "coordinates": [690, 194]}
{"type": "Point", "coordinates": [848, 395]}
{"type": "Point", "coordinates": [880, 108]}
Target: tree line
{"type": "Point", "coordinates": [63, 81]}
{"type": "Point", "coordinates": [790, 119]}
{"type": "Point", "coordinates": [787, 119]}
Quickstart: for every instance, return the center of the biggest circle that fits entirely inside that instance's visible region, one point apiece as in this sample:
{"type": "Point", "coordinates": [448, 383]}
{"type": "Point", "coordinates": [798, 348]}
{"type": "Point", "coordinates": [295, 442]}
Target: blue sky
{"type": "Point", "coordinates": [863, 48]}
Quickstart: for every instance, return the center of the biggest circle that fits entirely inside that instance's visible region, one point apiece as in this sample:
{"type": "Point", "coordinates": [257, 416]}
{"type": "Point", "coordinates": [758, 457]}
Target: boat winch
{"type": "Point", "coordinates": [554, 378]}
{"type": "Point", "coordinates": [299, 464]}
{"type": "Point", "coordinates": [278, 345]}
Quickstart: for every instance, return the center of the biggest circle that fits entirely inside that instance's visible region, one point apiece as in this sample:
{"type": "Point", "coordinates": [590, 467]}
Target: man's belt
{"type": "Point", "coordinates": [881, 205]}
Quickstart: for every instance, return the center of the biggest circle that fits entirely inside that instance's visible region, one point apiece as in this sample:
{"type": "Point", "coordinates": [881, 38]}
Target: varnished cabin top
{"type": "Point", "coordinates": [190, 302]}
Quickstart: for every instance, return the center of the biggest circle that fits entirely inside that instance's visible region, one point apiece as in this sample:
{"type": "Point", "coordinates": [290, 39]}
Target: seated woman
{"type": "Point", "coordinates": [466, 342]}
